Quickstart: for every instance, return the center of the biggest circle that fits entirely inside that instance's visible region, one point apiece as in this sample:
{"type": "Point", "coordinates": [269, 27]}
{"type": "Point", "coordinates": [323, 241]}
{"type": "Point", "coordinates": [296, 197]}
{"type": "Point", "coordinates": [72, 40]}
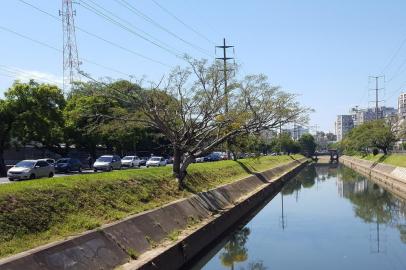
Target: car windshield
{"type": "Point", "coordinates": [104, 159]}
{"type": "Point", "coordinates": [127, 158]}
{"type": "Point", "coordinates": [25, 164]}
{"type": "Point", "coordinates": [155, 159]}
{"type": "Point", "coordinates": [64, 160]}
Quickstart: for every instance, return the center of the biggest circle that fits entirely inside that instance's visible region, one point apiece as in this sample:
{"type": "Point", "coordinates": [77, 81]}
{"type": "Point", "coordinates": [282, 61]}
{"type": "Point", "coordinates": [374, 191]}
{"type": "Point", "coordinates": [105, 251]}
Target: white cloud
{"type": "Point", "coordinates": [25, 75]}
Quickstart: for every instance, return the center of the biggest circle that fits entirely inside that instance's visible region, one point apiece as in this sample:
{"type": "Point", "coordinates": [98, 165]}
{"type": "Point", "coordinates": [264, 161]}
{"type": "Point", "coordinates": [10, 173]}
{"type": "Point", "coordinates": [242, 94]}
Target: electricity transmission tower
{"type": "Point", "coordinates": [225, 70]}
{"type": "Point", "coordinates": [376, 101]}
{"type": "Point", "coordinates": [70, 50]}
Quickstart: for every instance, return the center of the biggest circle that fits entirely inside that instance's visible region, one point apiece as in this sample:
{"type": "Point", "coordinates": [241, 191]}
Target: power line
{"type": "Point", "coordinates": [394, 56]}
{"type": "Point", "coordinates": [140, 14]}
{"type": "Point", "coordinates": [182, 22]}
{"type": "Point", "coordinates": [115, 22]}
{"type": "Point", "coordinates": [128, 23]}
{"type": "Point", "coordinates": [15, 73]}
{"type": "Point", "coordinates": [99, 37]}
{"type": "Point", "coordinates": [58, 50]}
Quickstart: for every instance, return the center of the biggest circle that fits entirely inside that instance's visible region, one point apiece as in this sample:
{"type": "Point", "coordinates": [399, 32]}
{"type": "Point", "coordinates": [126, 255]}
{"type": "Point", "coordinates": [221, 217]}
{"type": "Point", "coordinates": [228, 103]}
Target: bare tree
{"type": "Point", "coordinates": [188, 108]}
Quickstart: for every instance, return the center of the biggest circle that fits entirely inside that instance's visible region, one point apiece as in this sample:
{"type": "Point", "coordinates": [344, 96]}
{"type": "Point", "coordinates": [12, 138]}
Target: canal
{"type": "Point", "coordinates": [324, 218]}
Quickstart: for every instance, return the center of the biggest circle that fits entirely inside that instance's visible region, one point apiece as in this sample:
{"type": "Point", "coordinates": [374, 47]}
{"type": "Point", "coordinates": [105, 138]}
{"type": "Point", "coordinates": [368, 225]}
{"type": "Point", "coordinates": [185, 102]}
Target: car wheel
{"type": "Point", "coordinates": [111, 168]}
{"type": "Point", "coordinates": [95, 170]}
{"type": "Point", "coordinates": [51, 174]}
{"type": "Point", "coordinates": [32, 176]}
{"type": "Point", "coordinates": [11, 179]}
{"type": "Point", "coordinates": [139, 165]}
{"type": "Point", "coordinates": [80, 169]}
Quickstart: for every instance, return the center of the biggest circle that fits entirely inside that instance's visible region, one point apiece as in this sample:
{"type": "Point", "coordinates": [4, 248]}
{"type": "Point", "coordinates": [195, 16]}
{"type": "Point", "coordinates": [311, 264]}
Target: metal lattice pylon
{"type": "Point", "coordinates": [70, 50]}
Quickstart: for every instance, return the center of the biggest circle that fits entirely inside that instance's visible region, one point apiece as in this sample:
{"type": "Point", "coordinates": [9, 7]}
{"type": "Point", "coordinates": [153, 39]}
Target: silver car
{"type": "Point", "coordinates": [30, 169]}
{"type": "Point", "coordinates": [107, 163]}
{"type": "Point", "coordinates": [156, 162]}
{"type": "Point", "coordinates": [131, 161]}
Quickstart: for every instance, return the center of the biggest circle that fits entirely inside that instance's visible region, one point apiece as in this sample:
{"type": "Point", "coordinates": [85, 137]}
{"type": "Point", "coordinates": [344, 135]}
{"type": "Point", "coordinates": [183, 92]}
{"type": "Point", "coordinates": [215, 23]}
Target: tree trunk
{"type": "Point", "coordinates": [177, 164]}
{"type": "Point", "coordinates": [3, 169]}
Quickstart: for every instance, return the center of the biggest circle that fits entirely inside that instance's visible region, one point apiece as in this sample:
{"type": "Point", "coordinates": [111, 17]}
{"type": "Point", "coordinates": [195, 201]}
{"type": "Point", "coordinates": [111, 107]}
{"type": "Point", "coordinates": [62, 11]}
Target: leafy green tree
{"type": "Point", "coordinates": [307, 144]}
{"type": "Point", "coordinates": [372, 134]}
{"type": "Point", "coordinates": [286, 144]}
{"type": "Point", "coordinates": [31, 113]}
{"type": "Point", "coordinates": [8, 114]}
{"type": "Point", "coordinates": [188, 108]}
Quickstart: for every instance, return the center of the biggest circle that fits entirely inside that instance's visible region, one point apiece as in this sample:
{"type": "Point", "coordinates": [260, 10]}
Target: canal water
{"type": "Point", "coordinates": [324, 218]}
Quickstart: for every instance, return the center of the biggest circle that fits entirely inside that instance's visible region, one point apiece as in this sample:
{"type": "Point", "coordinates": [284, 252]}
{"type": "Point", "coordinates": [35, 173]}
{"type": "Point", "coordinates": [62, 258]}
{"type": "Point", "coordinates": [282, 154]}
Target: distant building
{"type": "Point", "coordinates": [402, 106]}
{"type": "Point", "coordinates": [387, 112]}
{"type": "Point", "coordinates": [361, 116]}
{"type": "Point", "coordinates": [296, 132]}
{"type": "Point", "coordinates": [343, 125]}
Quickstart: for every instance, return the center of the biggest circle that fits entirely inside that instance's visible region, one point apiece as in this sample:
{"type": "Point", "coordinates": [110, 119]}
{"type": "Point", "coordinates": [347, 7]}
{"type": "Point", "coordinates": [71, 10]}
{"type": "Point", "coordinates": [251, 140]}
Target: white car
{"type": "Point", "coordinates": [131, 161]}
{"type": "Point", "coordinates": [30, 169]}
{"type": "Point", "coordinates": [107, 163]}
{"type": "Point", "coordinates": [156, 162]}
{"type": "Point", "coordinates": [199, 160]}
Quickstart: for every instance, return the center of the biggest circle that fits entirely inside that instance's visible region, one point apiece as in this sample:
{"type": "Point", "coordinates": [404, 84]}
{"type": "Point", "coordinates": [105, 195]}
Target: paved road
{"type": "Point", "coordinates": [4, 180]}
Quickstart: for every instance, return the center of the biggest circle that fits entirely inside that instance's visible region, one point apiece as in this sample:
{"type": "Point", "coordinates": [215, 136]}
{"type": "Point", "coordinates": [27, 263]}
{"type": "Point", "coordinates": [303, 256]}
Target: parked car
{"type": "Point", "coordinates": [49, 160]}
{"type": "Point", "coordinates": [223, 156]}
{"type": "Point", "coordinates": [199, 159]}
{"type": "Point", "coordinates": [156, 162]}
{"type": "Point", "coordinates": [212, 157]}
{"type": "Point", "coordinates": [131, 161]}
{"type": "Point", "coordinates": [143, 161]}
{"type": "Point", "coordinates": [169, 160]}
{"type": "Point", "coordinates": [30, 169]}
{"type": "Point", "coordinates": [107, 163]}
{"type": "Point", "coordinates": [68, 165]}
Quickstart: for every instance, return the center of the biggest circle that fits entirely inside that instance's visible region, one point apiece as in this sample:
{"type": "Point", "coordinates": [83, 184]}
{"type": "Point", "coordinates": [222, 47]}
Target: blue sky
{"type": "Point", "coordinates": [323, 51]}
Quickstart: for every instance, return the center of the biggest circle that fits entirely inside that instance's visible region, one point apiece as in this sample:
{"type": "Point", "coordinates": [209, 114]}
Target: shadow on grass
{"type": "Point", "coordinates": [249, 171]}
{"type": "Point", "coordinates": [380, 160]}
{"type": "Point", "coordinates": [292, 157]}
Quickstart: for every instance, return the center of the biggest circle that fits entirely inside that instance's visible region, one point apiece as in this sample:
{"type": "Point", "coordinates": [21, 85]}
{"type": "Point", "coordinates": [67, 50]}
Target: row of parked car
{"type": "Point", "coordinates": [31, 169]}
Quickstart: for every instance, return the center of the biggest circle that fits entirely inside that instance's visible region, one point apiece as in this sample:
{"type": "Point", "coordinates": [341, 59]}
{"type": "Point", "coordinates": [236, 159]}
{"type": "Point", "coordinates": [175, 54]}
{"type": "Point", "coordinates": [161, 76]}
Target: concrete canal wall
{"type": "Point", "coordinates": [390, 176]}
{"type": "Point", "coordinates": [133, 243]}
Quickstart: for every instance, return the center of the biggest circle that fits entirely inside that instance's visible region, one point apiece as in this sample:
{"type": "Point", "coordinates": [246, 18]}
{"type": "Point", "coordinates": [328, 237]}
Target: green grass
{"type": "Point", "coordinates": [40, 211]}
{"type": "Point", "coordinates": [391, 159]}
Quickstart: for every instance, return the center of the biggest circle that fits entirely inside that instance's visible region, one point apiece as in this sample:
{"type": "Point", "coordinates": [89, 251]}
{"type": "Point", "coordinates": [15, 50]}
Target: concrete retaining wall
{"type": "Point", "coordinates": [391, 176]}
{"type": "Point", "coordinates": [114, 245]}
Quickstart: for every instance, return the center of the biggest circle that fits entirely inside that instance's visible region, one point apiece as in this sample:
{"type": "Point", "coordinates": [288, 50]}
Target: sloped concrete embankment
{"type": "Point", "coordinates": [388, 175]}
{"type": "Point", "coordinates": [120, 243]}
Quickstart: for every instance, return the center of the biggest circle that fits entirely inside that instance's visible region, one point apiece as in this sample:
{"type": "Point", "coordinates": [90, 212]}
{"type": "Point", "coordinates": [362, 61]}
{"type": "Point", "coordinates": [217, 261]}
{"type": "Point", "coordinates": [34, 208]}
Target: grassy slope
{"type": "Point", "coordinates": [392, 159]}
{"type": "Point", "coordinates": [36, 212]}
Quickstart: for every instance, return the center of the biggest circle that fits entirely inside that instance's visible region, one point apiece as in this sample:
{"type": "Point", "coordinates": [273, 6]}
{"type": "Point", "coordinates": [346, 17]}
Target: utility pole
{"type": "Point", "coordinates": [376, 101]}
{"type": "Point", "coordinates": [70, 50]}
{"type": "Point", "coordinates": [225, 70]}
{"type": "Point", "coordinates": [225, 58]}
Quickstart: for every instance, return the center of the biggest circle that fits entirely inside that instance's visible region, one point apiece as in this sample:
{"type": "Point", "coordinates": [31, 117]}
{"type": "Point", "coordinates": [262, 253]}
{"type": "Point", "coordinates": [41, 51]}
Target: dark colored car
{"type": "Point", "coordinates": [212, 157]}
{"type": "Point", "coordinates": [143, 161]}
{"type": "Point", "coordinates": [68, 165]}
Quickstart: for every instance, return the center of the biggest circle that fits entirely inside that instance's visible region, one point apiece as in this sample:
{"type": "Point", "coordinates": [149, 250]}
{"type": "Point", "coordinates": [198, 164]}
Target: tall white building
{"type": "Point", "coordinates": [402, 106]}
{"type": "Point", "coordinates": [343, 125]}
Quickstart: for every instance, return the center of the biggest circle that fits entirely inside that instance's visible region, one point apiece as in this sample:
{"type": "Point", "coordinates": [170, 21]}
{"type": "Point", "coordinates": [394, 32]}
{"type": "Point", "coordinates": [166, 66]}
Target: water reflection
{"type": "Point", "coordinates": [373, 204]}
{"type": "Point", "coordinates": [235, 251]}
{"type": "Point", "coordinates": [342, 221]}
